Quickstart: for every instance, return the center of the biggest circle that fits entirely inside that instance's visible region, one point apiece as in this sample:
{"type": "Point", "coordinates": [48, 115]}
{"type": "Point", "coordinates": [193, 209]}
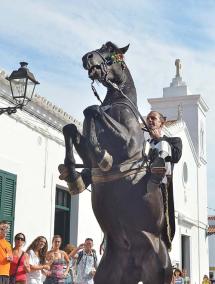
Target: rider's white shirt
{"type": "Point", "coordinates": [164, 148]}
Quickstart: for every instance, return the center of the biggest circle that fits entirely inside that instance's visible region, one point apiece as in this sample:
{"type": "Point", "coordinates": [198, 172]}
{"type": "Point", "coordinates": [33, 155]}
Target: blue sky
{"type": "Point", "coordinates": [53, 35]}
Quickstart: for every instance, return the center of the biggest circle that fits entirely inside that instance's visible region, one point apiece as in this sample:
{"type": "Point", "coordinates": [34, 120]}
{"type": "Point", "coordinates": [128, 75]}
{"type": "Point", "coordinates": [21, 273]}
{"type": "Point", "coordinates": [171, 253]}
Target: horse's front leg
{"type": "Point", "coordinates": [101, 156]}
{"type": "Point", "coordinates": [76, 181]}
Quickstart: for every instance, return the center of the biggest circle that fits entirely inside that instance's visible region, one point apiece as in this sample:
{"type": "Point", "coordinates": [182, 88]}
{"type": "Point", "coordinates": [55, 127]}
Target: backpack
{"type": "Point", "coordinates": [176, 148]}
{"type": "Point", "coordinates": [80, 255]}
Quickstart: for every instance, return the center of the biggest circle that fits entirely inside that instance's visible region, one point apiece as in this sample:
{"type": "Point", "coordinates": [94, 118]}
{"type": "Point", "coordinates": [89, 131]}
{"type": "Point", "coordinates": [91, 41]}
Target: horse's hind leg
{"type": "Point", "coordinates": [112, 264]}
{"type": "Point", "coordinates": [110, 269]}
{"type": "Point", "coordinates": [156, 267]}
{"type": "Point", "coordinates": [165, 262]}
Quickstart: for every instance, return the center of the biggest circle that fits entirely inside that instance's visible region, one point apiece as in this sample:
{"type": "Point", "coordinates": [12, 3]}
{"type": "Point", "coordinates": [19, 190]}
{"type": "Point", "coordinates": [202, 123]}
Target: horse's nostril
{"type": "Point", "coordinates": [89, 56]}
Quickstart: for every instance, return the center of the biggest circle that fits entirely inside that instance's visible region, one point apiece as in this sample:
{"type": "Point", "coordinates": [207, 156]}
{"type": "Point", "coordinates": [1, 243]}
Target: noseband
{"type": "Point", "coordinates": [104, 67]}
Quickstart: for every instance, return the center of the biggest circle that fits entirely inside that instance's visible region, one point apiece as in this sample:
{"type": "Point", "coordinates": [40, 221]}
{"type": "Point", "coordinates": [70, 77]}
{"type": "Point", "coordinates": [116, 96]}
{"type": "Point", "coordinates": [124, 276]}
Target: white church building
{"type": "Point", "coordinates": [36, 202]}
{"type": "Point", "coordinates": [186, 116]}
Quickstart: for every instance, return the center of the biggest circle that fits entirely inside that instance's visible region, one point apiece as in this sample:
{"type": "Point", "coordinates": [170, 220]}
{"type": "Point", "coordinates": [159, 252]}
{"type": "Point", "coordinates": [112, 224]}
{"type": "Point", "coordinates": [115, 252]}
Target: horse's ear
{"type": "Point", "coordinates": [124, 49]}
{"type": "Point", "coordinates": [111, 46]}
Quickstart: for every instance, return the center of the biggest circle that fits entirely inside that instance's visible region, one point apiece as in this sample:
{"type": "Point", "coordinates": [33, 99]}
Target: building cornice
{"type": "Point", "coordinates": [189, 99]}
{"type": "Point", "coordinates": [40, 129]}
{"type": "Point", "coordinates": [174, 127]}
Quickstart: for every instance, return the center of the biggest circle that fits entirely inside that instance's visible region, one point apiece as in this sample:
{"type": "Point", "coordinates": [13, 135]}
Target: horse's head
{"type": "Point", "coordinates": [106, 63]}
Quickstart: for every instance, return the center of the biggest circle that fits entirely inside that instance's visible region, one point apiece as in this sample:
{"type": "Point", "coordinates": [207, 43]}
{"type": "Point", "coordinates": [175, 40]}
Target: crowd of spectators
{"type": "Point", "coordinates": [37, 265]}
{"type": "Point", "coordinates": [72, 265]}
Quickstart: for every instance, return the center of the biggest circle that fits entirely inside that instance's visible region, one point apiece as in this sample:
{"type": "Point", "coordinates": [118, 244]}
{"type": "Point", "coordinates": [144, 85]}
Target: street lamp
{"type": "Point", "coordinates": [22, 84]}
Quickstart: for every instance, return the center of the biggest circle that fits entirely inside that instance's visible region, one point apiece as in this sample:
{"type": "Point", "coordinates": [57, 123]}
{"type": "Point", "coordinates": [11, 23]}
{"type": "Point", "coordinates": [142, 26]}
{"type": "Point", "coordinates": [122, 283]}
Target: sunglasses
{"type": "Point", "coordinates": [19, 239]}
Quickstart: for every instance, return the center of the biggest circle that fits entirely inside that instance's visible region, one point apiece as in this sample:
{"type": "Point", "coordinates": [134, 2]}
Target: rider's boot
{"type": "Point", "coordinates": [77, 182]}
{"type": "Point", "coordinates": [158, 170]}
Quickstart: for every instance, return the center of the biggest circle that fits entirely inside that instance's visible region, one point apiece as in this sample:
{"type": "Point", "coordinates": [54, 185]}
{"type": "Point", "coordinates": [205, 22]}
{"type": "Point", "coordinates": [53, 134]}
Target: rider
{"type": "Point", "coordinates": [163, 152]}
{"type": "Point", "coordinates": [157, 149]}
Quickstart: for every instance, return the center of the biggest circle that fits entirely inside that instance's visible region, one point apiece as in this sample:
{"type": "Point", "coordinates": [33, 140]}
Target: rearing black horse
{"type": "Point", "coordinates": [126, 197]}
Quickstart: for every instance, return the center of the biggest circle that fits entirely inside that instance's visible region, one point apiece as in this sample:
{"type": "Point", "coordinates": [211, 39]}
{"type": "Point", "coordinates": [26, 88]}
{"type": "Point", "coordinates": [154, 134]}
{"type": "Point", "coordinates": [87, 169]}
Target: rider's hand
{"type": "Point", "coordinates": [155, 133]}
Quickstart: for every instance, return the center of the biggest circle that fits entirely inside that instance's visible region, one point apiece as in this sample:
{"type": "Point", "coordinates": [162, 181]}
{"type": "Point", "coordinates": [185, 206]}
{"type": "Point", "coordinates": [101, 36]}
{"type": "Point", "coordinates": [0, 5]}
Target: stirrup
{"type": "Point", "coordinates": [158, 170]}
{"type": "Point", "coordinates": [106, 162]}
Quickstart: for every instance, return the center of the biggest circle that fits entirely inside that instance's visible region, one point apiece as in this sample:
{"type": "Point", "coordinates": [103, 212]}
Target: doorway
{"type": "Point", "coordinates": [185, 253]}
{"type": "Point", "coordinates": [62, 215]}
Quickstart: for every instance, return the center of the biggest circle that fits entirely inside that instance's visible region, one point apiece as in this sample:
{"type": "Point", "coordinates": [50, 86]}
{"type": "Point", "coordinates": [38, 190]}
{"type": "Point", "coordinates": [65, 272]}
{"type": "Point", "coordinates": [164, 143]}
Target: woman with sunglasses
{"type": "Point", "coordinates": [19, 265]}
{"type": "Point", "coordinates": [58, 259]}
{"type": "Point", "coordinates": [37, 252]}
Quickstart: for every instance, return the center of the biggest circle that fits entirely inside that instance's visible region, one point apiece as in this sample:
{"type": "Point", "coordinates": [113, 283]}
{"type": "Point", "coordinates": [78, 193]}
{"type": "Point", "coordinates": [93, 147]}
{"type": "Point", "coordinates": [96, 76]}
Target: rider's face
{"type": "Point", "coordinates": [153, 120]}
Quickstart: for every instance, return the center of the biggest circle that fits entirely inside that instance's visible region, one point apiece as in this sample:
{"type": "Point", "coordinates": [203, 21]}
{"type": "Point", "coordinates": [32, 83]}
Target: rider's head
{"type": "Point", "coordinates": [155, 120]}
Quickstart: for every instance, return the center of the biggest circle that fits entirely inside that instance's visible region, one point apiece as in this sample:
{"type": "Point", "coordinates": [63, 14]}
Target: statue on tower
{"type": "Point", "coordinates": [178, 67]}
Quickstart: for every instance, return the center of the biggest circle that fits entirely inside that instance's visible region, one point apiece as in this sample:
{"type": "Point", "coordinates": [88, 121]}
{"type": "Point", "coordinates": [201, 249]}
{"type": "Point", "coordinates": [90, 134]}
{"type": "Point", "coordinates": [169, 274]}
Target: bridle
{"type": "Point", "coordinates": [104, 67]}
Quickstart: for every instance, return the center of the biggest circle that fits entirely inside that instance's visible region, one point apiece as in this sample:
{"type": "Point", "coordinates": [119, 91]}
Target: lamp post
{"type": "Point", "coordinates": [22, 85]}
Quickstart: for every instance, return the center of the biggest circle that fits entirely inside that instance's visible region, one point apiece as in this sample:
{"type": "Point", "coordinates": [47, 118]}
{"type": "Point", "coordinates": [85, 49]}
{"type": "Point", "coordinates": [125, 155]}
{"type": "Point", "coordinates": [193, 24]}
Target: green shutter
{"type": "Point", "coordinates": [7, 200]}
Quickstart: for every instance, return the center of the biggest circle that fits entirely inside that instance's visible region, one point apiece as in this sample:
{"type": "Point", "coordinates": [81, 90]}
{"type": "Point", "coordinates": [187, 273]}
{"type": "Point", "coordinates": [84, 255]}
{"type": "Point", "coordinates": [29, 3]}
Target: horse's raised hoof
{"type": "Point", "coordinates": [77, 186]}
{"type": "Point", "coordinates": [105, 164]}
{"type": "Point", "coordinates": [64, 172]}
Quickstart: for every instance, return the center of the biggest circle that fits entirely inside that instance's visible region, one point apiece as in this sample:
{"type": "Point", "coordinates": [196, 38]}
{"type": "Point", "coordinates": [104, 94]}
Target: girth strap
{"type": "Point", "coordinates": [118, 171]}
{"type": "Point", "coordinates": [107, 177]}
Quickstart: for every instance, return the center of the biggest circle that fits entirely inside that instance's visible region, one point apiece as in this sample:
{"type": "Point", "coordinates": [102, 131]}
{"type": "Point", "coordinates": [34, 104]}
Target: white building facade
{"type": "Point", "coordinates": [32, 198]}
{"type": "Point", "coordinates": [186, 114]}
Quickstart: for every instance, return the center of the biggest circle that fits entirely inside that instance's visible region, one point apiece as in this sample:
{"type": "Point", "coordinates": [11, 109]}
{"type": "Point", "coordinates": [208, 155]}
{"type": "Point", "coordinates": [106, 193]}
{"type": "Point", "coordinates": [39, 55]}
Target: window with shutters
{"type": "Point", "coordinates": [7, 200]}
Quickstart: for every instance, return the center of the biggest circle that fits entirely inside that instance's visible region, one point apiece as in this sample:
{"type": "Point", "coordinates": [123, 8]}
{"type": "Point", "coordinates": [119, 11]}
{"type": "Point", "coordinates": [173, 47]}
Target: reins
{"type": "Point", "coordinates": [130, 101]}
{"type": "Point", "coordinates": [104, 68]}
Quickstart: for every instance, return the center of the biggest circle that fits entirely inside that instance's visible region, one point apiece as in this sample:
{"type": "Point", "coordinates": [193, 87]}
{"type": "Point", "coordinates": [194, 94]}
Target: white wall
{"type": "Point", "coordinates": [34, 159]}
{"type": "Point", "coordinates": [87, 223]}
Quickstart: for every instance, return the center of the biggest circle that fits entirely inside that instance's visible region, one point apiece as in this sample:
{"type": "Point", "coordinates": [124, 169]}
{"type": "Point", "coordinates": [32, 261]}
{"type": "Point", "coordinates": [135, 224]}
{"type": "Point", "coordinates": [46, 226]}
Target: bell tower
{"type": "Point", "coordinates": [193, 109]}
{"type": "Point", "coordinates": [178, 104]}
